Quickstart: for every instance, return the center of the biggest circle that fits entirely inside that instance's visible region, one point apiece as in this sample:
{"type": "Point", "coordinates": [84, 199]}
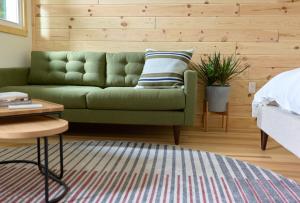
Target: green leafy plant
{"type": "Point", "coordinates": [218, 70]}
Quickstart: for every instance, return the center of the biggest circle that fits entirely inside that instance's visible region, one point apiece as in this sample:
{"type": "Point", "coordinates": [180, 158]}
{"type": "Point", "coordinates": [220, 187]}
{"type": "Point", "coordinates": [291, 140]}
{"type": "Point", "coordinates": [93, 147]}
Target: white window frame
{"type": "Point", "coordinates": [20, 28]}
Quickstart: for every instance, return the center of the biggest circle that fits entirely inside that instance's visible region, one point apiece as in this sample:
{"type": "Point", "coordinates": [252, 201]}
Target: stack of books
{"type": "Point", "coordinates": [14, 98]}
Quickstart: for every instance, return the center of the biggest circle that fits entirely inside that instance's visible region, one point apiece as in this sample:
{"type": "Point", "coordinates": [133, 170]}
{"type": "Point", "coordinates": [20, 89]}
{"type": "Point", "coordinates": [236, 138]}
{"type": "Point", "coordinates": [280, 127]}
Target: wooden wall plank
{"type": "Point", "coordinates": [202, 47]}
{"type": "Point", "coordinates": [166, 35]}
{"type": "Point", "coordinates": [190, 1]}
{"type": "Point", "coordinates": [264, 34]}
{"type": "Point", "coordinates": [53, 34]}
{"type": "Point", "coordinates": [245, 22]}
{"type": "Point", "coordinates": [270, 9]}
{"type": "Point", "coordinates": [266, 73]}
{"type": "Point", "coordinates": [72, 2]}
{"type": "Point", "coordinates": [140, 10]}
{"type": "Point", "coordinates": [271, 61]}
{"type": "Point", "coordinates": [34, 31]}
{"type": "Point", "coordinates": [289, 35]}
{"type": "Point", "coordinates": [175, 35]}
{"type": "Point", "coordinates": [95, 22]}
{"type": "Point", "coordinates": [262, 48]}
{"type": "Point", "coordinates": [239, 91]}
{"type": "Point", "coordinates": [67, 2]}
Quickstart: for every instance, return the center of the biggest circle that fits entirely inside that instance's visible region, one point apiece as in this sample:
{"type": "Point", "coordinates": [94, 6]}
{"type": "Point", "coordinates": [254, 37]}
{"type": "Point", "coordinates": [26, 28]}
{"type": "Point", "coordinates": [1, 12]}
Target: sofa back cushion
{"type": "Point", "coordinates": [124, 69]}
{"type": "Point", "coordinates": [67, 68]}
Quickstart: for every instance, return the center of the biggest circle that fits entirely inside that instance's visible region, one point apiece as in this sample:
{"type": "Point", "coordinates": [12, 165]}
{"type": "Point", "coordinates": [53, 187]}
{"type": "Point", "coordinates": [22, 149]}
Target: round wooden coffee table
{"type": "Point", "coordinates": [39, 127]}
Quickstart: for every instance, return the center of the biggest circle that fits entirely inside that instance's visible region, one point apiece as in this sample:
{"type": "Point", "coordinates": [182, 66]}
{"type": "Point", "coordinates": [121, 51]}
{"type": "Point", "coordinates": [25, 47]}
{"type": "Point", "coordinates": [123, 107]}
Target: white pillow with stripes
{"type": "Point", "coordinates": [164, 69]}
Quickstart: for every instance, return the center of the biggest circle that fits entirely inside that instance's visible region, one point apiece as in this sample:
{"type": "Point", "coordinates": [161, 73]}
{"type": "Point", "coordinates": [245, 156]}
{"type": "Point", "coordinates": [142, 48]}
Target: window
{"type": "Point", "coordinates": [13, 17]}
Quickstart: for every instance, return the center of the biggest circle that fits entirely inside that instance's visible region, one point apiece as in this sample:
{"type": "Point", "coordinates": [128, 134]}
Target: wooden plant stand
{"type": "Point", "coordinates": [225, 116]}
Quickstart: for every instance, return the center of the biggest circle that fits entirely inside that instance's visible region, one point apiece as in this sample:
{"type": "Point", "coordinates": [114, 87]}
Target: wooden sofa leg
{"type": "Point", "coordinates": [264, 139]}
{"type": "Point", "coordinates": [176, 132]}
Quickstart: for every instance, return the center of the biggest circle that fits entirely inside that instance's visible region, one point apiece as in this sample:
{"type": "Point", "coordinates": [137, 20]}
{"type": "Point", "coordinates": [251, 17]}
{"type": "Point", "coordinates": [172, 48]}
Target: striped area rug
{"type": "Point", "coordinates": [137, 172]}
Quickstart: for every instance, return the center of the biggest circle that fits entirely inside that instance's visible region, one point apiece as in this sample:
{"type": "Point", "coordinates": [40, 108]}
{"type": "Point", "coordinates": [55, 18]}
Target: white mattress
{"type": "Point", "coordinates": [283, 126]}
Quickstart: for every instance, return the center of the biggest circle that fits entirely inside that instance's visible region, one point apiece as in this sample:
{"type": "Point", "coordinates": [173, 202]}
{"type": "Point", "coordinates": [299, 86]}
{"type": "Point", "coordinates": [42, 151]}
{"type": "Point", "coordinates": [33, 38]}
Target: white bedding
{"type": "Point", "coordinates": [283, 89]}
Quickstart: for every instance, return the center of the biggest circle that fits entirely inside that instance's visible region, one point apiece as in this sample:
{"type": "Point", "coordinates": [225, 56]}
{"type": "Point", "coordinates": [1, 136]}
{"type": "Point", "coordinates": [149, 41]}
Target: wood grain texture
{"type": "Point", "coordinates": [242, 22]}
{"type": "Point", "coordinates": [67, 2]}
{"type": "Point", "coordinates": [272, 9]}
{"type": "Point", "coordinates": [31, 127]}
{"type": "Point", "coordinates": [264, 34]}
{"type": "Point", "coordinates": [171, 10]}
{"type": "Point", "coordinates": [161, 35]}
{"type": "Point", "coordinates": [289, 35]}
{"type": "Point", "coordinates": [188, 1]}
{"type": "Point", "coordinates": [47, 107]}
{"type": "Point", "coordinates": [95, 22]}
{"type": "Point", "coordinates": [286, 48]}
{"type": "Point", "coordinates": [112, 46]}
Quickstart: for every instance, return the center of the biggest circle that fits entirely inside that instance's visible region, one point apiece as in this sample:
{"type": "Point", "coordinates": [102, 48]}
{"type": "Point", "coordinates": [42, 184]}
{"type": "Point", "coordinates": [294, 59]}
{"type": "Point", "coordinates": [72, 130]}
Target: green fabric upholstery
{"type": "Point", "coordinates": [124, 117]}
{"type": "Point", "coordinates": [72, 97]}
{"type": "Point", "coordinates": [13, 76]}
{"type": "Point", "coordinates": [190, 90]}
{"type": "Point", "coordinates": [67, 68]}
{"type": "Point", "coordinates": [124, 69]}
{"type": "Point", "coordinates": [74, 80]}
{"type": "Point", "coordinates": [129, 98]}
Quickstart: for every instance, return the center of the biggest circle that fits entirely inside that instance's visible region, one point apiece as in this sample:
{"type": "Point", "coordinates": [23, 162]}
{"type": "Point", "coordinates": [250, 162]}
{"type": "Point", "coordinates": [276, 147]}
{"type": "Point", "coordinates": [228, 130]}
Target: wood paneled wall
{"type": "Point", "coordinates": [264, 33]}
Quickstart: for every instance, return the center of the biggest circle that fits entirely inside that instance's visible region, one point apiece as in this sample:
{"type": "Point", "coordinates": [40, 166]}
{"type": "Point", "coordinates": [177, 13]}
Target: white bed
{"type": "Point", "coordinates": [277, 109]}
{"type": "Point", "coordinates": [283, 126]}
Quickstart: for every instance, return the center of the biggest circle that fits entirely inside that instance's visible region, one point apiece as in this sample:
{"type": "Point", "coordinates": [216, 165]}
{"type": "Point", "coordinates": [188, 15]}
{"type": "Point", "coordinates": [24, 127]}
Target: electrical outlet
{"type": "Point", "coordinates": [252, 87]}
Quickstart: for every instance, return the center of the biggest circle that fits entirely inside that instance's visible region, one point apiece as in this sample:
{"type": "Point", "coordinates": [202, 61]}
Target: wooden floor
{"type": "Point", "coordinates": [241, 145]}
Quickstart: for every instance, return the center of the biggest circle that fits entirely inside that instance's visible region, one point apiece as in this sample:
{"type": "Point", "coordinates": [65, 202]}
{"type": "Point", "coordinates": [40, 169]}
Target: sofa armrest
{"type": "Point", "coordinates": [13, 76]}
{"type": "Point", "coordinates": [190, 90]}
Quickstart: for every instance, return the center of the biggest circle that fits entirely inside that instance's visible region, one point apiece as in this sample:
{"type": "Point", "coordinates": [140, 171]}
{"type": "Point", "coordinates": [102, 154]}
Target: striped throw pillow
{"type": "Point", "coordinates": [164, 69]}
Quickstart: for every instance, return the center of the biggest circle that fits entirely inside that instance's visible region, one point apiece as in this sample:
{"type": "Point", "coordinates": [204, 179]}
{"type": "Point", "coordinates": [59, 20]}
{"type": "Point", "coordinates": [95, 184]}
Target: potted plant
{"type": "Point", "coordinates": [216, 73]}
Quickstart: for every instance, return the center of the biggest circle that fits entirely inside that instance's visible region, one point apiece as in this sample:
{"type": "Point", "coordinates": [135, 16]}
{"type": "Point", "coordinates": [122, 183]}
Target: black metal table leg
{"type": "Point", "coordinates": [44, 169]}
{"type": "Point", "coordinates": [61, 158]}
{"type": "Point", "coordinates": [38, 146]}
{"type": "Point", "coordinates": [61, 151]}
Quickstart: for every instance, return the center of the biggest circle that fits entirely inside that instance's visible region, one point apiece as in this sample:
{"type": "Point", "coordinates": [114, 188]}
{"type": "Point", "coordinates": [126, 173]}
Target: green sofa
{"type": "Point", "coordinates": [98, 87]}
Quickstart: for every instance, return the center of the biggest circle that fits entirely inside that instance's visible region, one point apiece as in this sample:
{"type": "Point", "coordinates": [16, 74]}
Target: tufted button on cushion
{"type": "Point", "coordinates": [67, 68]}
{"type": "Point", "coordinates": [124, 69]}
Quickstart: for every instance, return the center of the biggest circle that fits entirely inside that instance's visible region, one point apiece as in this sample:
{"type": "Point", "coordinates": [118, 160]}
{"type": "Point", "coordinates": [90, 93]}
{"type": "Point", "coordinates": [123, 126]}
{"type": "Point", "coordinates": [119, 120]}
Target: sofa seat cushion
{"type": "Point", "coordinates": [129, 98]}
{"type": "Point", "coordinates": [72, 97]}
